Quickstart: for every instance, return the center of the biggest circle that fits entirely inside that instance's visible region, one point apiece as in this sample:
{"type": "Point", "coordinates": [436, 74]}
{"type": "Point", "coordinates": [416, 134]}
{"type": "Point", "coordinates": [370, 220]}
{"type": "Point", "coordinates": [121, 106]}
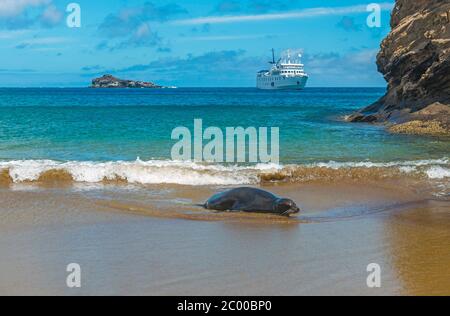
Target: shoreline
{"type": "Point", "coordinates": [133, 226]}
{"type": "Point", "coordinates": [167, 171]}
{"type": "Point", "coordinates": [152, 241]}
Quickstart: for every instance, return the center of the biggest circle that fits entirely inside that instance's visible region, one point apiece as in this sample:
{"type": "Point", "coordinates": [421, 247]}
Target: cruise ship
{"type": "Point", "coordinates": [286, 74]}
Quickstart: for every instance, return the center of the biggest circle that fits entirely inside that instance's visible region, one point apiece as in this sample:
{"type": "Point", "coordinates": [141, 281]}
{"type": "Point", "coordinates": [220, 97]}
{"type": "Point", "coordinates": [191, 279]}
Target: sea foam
{"type": "Point", "coordinates": [192, 173]}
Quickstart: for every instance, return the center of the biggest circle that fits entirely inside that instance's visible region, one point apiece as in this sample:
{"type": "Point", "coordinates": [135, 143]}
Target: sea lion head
{"type": "Point", "coordinates": [286, 207]}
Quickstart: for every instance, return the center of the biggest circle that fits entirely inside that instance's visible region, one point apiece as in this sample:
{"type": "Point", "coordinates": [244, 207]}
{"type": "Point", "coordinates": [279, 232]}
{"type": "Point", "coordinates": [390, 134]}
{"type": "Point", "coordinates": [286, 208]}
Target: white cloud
{"type": "Point", "coordinates": [51, 16]}
{"type": "Point", "coordinates": [43, 42]}
{"type": "Point", "coordinates": [354, 68]}
{"type": "Point", "coordinates": [48, 40]}
{"type": "Point", "coordinates": [12, 8]}
{"type": "Point", "coordinates": [12, 34]}
{"type": "Point", "coordinates": [143, 31]}
{"type": "Point", "coordinates": [306, 13]}
{"type": "Point", "coordinates": [224, 38]}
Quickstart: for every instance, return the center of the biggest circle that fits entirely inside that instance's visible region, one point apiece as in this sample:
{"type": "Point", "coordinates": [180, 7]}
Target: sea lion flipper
{"type": "Point", "coordinates": [239, 207]}
{"type": "Point", "coordinates": [223, 204]}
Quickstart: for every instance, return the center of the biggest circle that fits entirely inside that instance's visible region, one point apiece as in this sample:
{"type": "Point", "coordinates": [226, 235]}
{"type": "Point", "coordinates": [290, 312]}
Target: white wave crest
{"type": "Point", "coordinates": [192, 173]}
{"type": "Point", "coordinates": [438, 172]}
{"type": "Point", "coordinates": [138, 172]}
{"type": "Point", "coordinates": [369, 164]}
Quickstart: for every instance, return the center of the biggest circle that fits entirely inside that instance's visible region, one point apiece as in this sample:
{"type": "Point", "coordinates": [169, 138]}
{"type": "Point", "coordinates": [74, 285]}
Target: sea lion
{"type": "Point", "coordinates": [251, 200]}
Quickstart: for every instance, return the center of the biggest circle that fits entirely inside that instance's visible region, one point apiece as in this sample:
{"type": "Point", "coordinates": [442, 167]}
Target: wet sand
{"type": "Point", "coordinates": [153, 240]}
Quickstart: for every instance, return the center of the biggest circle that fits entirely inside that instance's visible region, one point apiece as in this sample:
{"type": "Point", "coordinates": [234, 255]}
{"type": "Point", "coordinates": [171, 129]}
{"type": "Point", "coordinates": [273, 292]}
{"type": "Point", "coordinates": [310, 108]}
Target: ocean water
{"type": "Point", "coordinates": [126, 134]}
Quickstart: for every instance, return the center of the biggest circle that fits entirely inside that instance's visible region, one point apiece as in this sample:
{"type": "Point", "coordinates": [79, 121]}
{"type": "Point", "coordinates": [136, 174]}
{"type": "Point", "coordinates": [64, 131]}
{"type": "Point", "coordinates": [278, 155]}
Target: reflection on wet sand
{"type": "Point", "coordinates": [200, 214]}
{"type": "Point", "coordinates": [420, 248]}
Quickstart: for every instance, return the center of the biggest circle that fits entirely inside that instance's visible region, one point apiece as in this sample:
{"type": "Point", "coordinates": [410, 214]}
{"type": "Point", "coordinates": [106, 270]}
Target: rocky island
{"type": "Point", "coordinates": [415, 61]}
{"type": "Point", "coordinates": [109, 81]}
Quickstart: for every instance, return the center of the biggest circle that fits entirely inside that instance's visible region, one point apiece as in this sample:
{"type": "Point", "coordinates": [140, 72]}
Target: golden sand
{"type": "Point", "coordinates": [155, 241]}
{"type": "Point", "coordinates": [323, 174]}
{"type": "Point", "coordinates": [55, 176]}
{"type": "Point", "coordinates": [5, 178]}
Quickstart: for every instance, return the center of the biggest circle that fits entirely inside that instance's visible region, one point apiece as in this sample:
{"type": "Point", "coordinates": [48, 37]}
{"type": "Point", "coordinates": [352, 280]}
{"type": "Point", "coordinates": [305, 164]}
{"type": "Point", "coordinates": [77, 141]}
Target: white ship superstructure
{"type": "Point", "coordinates": [287, 74]}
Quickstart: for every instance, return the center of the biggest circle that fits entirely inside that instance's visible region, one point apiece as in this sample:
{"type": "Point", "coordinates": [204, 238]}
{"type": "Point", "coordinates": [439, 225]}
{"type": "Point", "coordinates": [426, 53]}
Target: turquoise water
{"type": "Point", "coordinates": [41, 129]}
{"type": "Point", "coordinates": [111, 125]}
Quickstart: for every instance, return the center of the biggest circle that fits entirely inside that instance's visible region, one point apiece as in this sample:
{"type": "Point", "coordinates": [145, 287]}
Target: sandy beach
{"type": "Point", "coordinates": [225, 148]}
{"type": "Point", "coordinates": [152, 240]}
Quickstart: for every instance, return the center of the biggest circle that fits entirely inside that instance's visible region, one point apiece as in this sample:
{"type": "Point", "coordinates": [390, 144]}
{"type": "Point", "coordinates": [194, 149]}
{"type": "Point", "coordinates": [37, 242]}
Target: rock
{"type": "Point", "coordinates": [432, 120]}
{"type": "Point", "coordinates": [433, 110]}
{"type": "Point", "coordinates": [109, 81]}
{"type": "Point", "coordinates": [361, 118]}
{"type": "Point", "coordinates": [354, 118]}
{"type": "Point", "coordinates": [415, 61]}
{"type": "Point", "coordinates": [433, 128]}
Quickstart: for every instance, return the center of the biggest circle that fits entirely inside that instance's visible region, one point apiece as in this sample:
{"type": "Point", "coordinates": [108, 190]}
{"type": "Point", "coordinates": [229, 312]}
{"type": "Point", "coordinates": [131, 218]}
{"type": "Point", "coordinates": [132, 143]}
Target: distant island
{"type": "Point", "coordinates": [109, 81]}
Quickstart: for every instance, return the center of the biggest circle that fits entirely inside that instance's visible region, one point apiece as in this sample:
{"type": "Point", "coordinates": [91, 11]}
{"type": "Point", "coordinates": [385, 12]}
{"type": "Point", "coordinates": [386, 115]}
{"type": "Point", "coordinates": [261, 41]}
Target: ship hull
{"type": "Point", "coordinates": [281, 83]}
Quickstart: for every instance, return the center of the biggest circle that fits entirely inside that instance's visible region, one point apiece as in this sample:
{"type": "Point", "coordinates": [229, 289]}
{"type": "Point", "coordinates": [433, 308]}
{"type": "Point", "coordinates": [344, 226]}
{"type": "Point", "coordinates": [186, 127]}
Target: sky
{"type": "Point", "coordinates": [187, 43]}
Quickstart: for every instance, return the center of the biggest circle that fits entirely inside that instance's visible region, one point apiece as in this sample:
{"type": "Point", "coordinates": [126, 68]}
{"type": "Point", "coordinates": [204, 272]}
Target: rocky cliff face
{"type": "Point", "coordinates": [108, 81]}
{"type": "Point", "coordinates": [415, 61]}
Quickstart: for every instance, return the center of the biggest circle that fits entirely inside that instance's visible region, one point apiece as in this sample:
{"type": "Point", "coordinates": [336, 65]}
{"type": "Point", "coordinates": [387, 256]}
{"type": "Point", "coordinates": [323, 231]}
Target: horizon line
{"type": "Point", "coordinates": [181, 87]}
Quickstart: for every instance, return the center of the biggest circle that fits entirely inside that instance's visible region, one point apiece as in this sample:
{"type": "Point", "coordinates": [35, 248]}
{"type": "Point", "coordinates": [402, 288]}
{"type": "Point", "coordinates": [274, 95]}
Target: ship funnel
{"type": "Point", "coordinates": [273, 57]}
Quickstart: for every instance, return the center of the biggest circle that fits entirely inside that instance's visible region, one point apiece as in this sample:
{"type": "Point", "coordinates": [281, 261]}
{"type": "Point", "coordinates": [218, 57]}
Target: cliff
{"type": "Point", "coordinates": [109, 81]}
{"type": "Point", "coordinates": [415, 61]}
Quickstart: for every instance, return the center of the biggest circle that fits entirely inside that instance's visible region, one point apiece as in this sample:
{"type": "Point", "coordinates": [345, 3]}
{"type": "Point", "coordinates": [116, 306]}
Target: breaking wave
{"type": "Point", "coordinates": [191, 173]}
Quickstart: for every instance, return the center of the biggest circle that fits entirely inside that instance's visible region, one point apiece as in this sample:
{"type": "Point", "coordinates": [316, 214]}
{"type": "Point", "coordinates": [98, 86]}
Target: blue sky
{"type": "Point", "coordinates": [187, 43]}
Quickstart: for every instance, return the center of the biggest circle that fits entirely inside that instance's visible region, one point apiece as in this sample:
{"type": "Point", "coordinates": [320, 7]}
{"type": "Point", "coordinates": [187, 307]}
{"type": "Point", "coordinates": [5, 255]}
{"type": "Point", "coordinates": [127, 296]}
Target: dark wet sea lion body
{"type": "Point", "coordinates": [251, 200]}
